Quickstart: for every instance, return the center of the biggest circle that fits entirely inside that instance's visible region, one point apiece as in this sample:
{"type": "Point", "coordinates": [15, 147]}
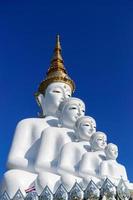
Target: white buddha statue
{"type": "Point", "coordinates": [89, 165]}
{"type": "Point", "coordinates": [49, 152]}
{"type": "Point", "coordinates": [110, 168]}
{"type": "Point", "coordinates": [72, 152]}
{"type": "Point", "coordinates": [55, 88]}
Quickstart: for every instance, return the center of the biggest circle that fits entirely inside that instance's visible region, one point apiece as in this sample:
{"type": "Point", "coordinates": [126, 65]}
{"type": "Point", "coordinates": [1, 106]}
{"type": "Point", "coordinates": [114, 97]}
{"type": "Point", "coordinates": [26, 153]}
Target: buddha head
{"type": "Point", "coordinates": [54, 94]}
{"type": "Point", "coordinates": [57, 85]}
{"type": "Point", "coordinates": [85, 127]}
{"type": "Point", "coordinates": [111, 151]}
{"type": "Point", "coordinates": [69, 111]}
{"type": "Point", "coordinates": [98, 141]}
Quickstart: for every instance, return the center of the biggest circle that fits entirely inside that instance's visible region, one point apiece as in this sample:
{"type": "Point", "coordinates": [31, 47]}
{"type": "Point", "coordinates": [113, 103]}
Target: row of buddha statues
{"type": "Point", "coordinates": [62, 146]}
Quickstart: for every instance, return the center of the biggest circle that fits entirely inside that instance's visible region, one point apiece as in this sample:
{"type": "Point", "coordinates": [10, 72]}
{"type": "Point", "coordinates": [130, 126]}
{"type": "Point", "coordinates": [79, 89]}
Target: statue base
{"type": "Point", "coordinates": [93, 192]}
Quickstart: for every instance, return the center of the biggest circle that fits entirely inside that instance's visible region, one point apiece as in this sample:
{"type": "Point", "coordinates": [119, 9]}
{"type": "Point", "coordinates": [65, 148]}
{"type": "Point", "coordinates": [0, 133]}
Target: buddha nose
{"type": "Point", "coordinates": [79, 112]}
{"type": "Point", "coordinates": [63, 95]}
{"type": "Point", "coordinates": [63, 98]}
{"type": "Point", "coordinates": [91, 129]}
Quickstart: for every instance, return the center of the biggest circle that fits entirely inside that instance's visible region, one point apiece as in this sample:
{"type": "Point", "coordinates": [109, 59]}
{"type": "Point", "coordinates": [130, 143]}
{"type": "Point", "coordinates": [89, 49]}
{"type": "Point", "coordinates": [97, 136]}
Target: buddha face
{"type": "Point", "coordinates": [72, 110]}
{"type": "Point", "coordinates": [98, 141]}
{"type": "Point", "coordinates": [54, 95]}
{"type": "Point", "coordinates": [111, 151]}
{"type": "Point", "coordinates": [93, 123]}
{"type": "Point", "coordinates": [86, 128]}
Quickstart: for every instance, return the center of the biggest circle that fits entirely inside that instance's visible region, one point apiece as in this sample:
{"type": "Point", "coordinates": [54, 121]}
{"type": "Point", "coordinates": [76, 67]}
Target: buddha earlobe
{"type": "Point", "coordinates": [39, 99]}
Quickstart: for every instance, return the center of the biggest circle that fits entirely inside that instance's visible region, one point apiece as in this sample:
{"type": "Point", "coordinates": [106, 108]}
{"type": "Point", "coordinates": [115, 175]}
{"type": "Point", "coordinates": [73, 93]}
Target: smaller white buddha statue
{"type": "Point", "coordinates": [72, 152]}
{"type": "Point", "coordinates": [52, 141]}
{"type": "Point", "coordinates": [110, 168]}
{"type": "Point", "coordinates": [89, 165]}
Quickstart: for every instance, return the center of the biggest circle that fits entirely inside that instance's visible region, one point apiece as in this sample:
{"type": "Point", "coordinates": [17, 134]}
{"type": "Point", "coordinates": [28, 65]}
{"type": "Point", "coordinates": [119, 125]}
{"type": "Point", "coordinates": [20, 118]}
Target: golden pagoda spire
{"type": "Point", "coordinates": [58, 46]}
{"type": "Point", "coordinates": [56, 71]}
{"type": "Point", "coordinates": [57, 60]}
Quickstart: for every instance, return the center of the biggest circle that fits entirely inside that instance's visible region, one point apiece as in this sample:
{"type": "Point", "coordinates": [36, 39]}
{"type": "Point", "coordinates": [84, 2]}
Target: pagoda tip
{"type": "Point", "coordinates": [58, 46]}
{"type": "Point", "coordinates": [58, 37]}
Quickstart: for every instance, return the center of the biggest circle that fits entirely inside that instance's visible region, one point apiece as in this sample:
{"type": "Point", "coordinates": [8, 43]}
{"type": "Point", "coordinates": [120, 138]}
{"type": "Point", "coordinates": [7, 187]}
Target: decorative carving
{"type": "Point", "coordinates": [46, 194]}
{"type": "Point", "coordinates": [123, 191]}
{"type": "Point", "coordinates": [5, 196]}
{"type": "Point", "coordinates": [108, 190]}
{"type": "Point", "coordinates": [76, 192]}
{"type": "Point", "coordinates": [61, 193]}
{"type": "Point", "coordinates": [32, 196]}
{"type": "Point", "coordinates": [18, 195]}
{"type": "Point", "coordinates": [92, 191]}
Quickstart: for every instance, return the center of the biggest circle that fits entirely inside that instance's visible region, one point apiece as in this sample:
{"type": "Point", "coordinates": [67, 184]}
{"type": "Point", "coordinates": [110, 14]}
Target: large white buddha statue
{"type": "Point", "coordinates": [72, 152]}
{"type": "Point", "coordinates": [52, 91]}
{"type": "Point", "coordinates": [90, 163]}
{"type": "Point", "coordinates": [49, 152]}
{"type": "Point", "coordinates": [110, 168]}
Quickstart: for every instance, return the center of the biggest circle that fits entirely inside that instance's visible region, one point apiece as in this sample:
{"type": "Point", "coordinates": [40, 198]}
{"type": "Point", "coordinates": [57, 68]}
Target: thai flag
{"type": "Point", "coordinates": [30, 189]}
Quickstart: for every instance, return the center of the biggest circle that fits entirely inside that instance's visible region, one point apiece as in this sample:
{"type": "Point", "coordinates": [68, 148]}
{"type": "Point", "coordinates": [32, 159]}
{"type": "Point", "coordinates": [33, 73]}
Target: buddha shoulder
{"type": "Point", "coordinates": [31, 122]}
{"type": "Point", "coordinates": [54, 129]}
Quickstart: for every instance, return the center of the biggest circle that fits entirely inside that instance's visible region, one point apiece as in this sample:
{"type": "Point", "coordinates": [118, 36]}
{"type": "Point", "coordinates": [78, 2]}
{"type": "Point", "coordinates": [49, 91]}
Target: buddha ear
{"type": "Point", "coordinates": [39, 99]}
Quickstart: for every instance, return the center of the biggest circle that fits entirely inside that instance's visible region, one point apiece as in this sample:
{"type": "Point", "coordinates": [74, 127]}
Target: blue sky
{"type": "Point", "coordinates": [97, 43]}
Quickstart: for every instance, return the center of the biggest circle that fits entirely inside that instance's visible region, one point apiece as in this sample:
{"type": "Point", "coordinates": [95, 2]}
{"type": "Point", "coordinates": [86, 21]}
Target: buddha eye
{"type": "Point", "coordinates": [72, 108]}
{"type": "Point", "coordinates": [86, 125]}
{"type": "Point", "coordinates": [100, 139]}
{"type": "Point", "coordinates": [57, 91]}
